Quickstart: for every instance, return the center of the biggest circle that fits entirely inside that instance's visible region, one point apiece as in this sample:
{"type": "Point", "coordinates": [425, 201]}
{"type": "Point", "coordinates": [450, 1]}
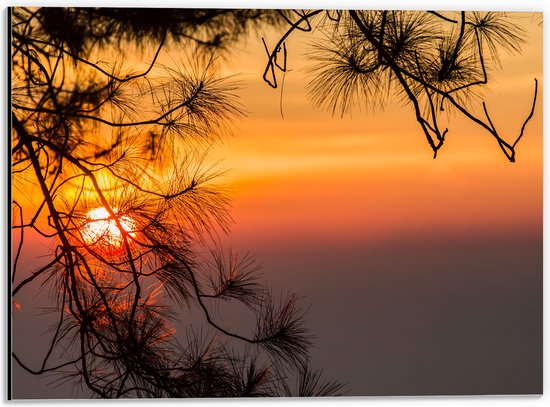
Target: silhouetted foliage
{"type": "Point", "coordinates": [437, 63]}
{"type": "Point", "coordinates": [119, 161]}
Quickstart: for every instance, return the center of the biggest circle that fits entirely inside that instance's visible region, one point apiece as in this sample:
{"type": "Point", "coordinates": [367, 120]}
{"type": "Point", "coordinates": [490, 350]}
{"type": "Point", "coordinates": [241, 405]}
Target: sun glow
{"type": "Point", "coordinates": [101, 229]}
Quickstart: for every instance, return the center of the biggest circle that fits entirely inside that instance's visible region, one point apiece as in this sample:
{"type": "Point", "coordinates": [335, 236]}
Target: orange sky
{"type": "Point", "coordinates": [371, 176]}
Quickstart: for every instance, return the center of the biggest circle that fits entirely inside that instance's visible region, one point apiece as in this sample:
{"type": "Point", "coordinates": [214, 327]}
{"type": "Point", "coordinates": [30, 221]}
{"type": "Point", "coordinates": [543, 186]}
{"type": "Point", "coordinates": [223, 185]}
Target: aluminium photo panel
{"type": "Point", "coordinates": [274, 203]}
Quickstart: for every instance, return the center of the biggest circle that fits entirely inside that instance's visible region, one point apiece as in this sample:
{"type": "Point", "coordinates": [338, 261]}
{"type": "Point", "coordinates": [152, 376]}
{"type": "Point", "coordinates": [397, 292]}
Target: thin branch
{"type": "Point", "coordinates": [19, 245]}
{"type": "Point", "coordinates": [37, 273]}
{"type": "Point", "coordinates": [43, 370]}
{"type": "Point", "coordinates": [273, 55]}
{"type": "Point", "coordinates": [529, 116]}
{"type": "Point", "coordinates": [157, 120]}
{"type": "Point", "coordinates": [127, 78]}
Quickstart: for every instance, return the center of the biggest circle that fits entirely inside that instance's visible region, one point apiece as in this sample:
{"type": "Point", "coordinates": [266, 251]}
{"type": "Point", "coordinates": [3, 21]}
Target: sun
{"type": "Point", "coordinates": [100, 229]}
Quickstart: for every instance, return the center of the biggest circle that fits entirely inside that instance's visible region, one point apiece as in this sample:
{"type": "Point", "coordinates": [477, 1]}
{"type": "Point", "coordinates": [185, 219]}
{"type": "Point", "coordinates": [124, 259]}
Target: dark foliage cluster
{"type": "Point", "coordinates": [89, 132]}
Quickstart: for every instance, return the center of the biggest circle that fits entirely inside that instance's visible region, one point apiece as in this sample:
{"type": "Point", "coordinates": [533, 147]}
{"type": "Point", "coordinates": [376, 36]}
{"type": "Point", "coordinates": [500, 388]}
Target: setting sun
{"type": "Point", "coordinates": [100, 228]}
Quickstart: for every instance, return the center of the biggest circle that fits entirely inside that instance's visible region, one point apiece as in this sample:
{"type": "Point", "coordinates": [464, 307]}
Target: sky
{"type": "Point", "coordinates": [420, 276]}
{"type": "Point", "coordinates": [423, 276]}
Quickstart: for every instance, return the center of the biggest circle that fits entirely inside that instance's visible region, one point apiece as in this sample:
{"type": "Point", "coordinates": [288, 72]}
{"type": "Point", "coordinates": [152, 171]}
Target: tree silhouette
{"type": "Point", "coordinates": [119, 160]}
{"type": "Point", "coordinates": [436, 62]}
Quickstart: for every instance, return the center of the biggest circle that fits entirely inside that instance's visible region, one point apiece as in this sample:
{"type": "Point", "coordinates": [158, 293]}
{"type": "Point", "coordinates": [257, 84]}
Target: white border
{"type": "Point", "coordinates": [523, 5]}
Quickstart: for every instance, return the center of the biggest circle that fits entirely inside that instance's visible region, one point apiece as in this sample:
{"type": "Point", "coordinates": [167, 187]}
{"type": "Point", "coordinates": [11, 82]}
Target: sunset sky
{"type": "Point", "coordinates": [419, 275]}
{"type": "Point", "coordinates": [422, 275]}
